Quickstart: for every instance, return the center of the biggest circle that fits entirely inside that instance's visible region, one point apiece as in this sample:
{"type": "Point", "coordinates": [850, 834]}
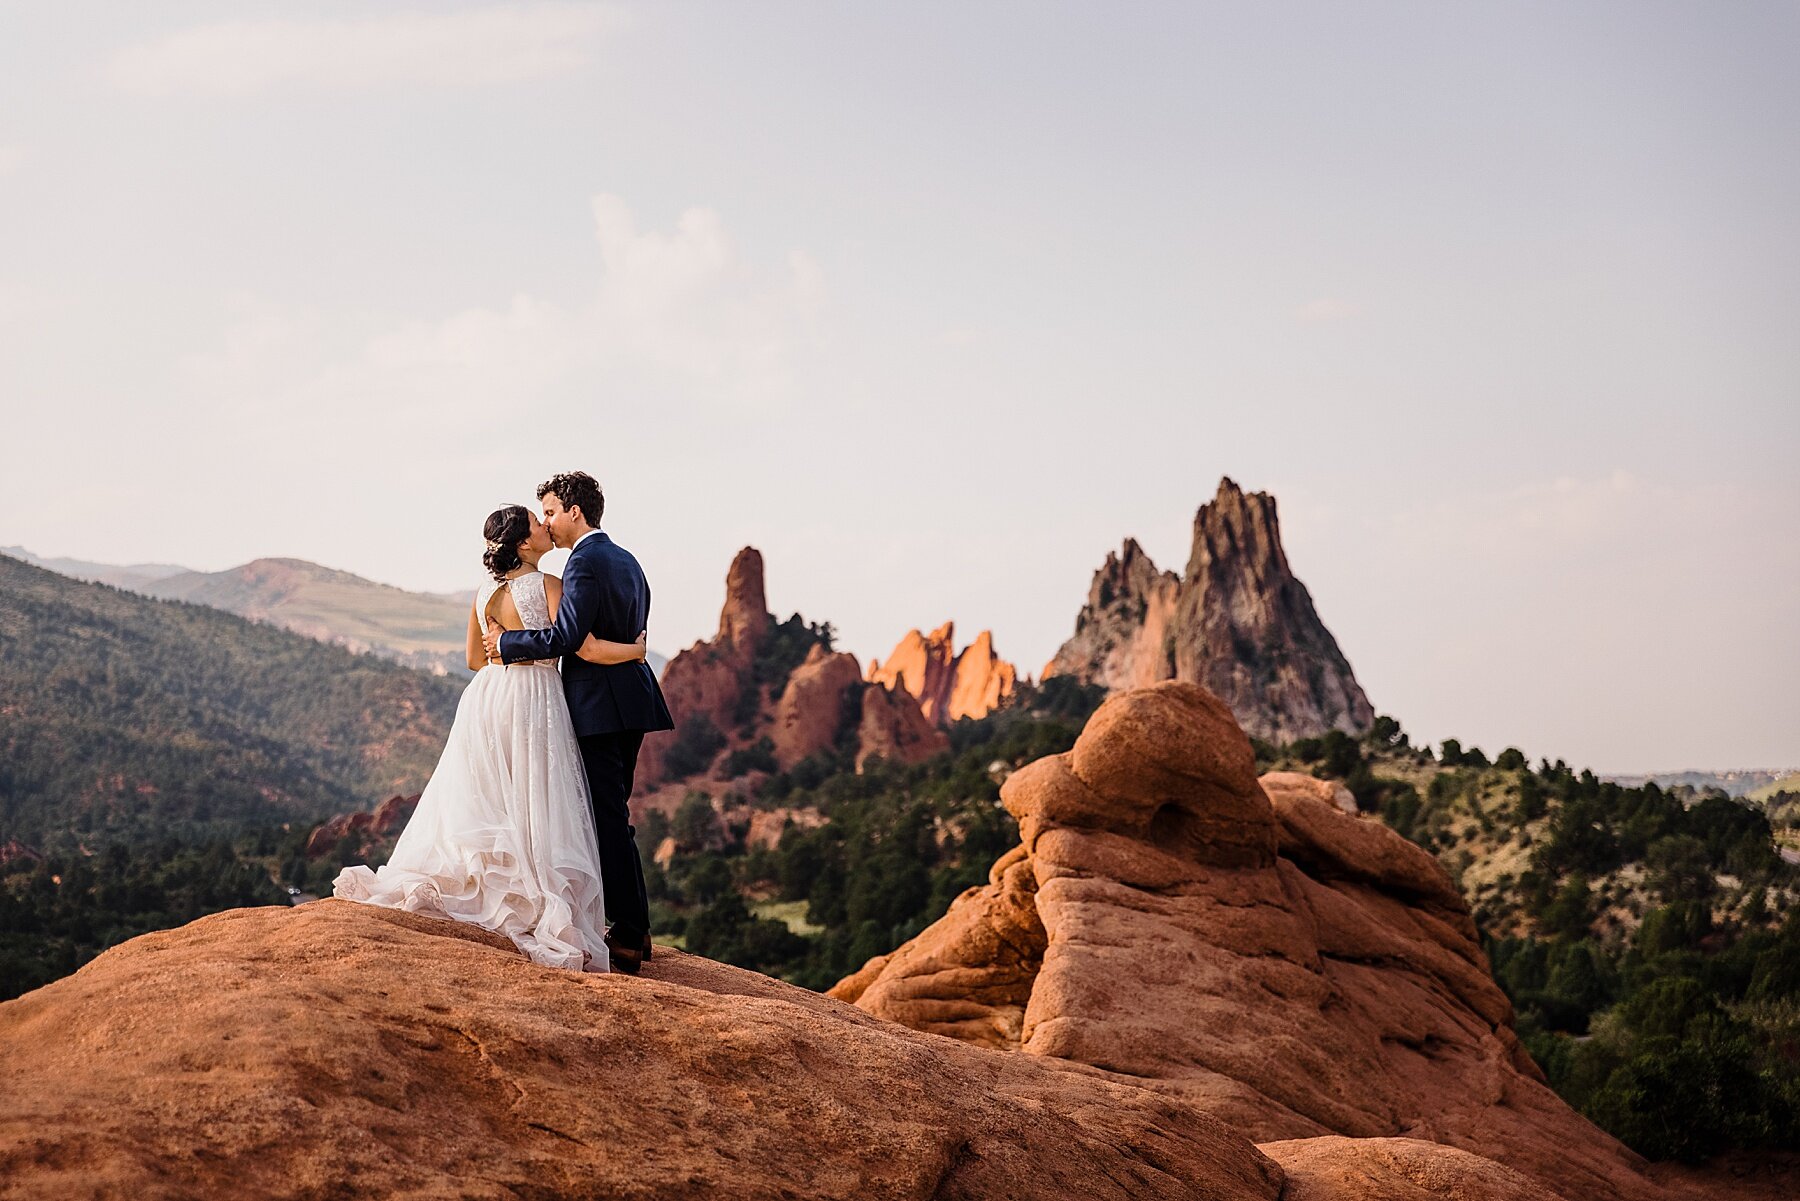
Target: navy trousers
{"type": "Point", "coordinates": [611, 761]}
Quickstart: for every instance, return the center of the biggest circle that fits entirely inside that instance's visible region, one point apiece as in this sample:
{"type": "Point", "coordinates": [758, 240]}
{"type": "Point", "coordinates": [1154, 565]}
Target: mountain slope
{"type": "Point", "coordinates": [123, 714]}
{"type": "Point", "coordinates": [421, 629]}
{"type": "Point", "coordinates": [131, 575]}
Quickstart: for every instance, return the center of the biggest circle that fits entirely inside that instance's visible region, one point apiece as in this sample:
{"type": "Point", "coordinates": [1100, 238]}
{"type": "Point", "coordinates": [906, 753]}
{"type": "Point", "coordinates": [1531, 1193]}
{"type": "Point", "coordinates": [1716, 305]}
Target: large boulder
{"type": "Point", "coordinates": [811, 712]}
{"type": "Point", "coordinates": [339, 1050]}
{"type": "Point", "coordinates": [1288, 967]}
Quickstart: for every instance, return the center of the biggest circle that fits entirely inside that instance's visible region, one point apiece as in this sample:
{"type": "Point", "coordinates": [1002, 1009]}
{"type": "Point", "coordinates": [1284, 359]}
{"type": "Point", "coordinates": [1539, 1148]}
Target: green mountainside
{"type": "Point", "coordinates": [130, 717]}
{"type": "Point", "coordinates": [420, 629]}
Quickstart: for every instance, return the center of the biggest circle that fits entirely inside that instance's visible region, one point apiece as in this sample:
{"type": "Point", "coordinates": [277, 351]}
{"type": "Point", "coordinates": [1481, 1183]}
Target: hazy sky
{"type": "Point", "coordinates": [937, 303]}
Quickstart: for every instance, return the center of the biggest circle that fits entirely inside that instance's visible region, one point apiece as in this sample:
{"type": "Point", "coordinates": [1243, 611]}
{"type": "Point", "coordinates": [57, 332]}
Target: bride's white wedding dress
{"type": "Point", "coordinates": [503, 836]}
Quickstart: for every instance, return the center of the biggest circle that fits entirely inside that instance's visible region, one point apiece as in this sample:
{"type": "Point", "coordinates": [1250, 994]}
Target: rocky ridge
{"type": "Point", "coordinates": [737, 684]}
{"type": "Point", "coordinates": [1244, 944]}
{"type": "Point", "coordinates": [1238, 622]}
{"type": "Point", "coordinates": [948, 684]}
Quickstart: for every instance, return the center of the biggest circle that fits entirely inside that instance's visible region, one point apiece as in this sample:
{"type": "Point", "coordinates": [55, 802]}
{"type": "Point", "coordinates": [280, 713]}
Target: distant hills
{"type": "Point", "coordinates": [131, 576]}
{"type": "Point", "coordinates": [1756, 785]}
{"type": "Point", "coordinates": [425, 630]}
{"type": "Point", "coordinates": [420, 629]}
{"type": "Point", "coordinates": [124, 715]}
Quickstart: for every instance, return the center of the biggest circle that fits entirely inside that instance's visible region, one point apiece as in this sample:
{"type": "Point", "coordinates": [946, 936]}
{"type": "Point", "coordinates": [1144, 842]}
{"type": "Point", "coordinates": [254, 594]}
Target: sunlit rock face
{"type": "Point", "coordinates": [1238, 622]}
{"type": "Point", "coordinates": [949, 685]}
{"type": "Point", "coordinates": [1290, 968]}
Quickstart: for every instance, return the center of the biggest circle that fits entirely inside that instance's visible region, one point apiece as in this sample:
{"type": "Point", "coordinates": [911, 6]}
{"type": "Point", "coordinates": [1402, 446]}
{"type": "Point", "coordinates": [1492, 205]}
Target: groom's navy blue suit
{"type": "Point", "coordinates": [612, 705]}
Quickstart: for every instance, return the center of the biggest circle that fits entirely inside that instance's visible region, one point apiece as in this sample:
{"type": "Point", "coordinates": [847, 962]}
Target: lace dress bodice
{"type": "Point", "coordinates": [529, 597]}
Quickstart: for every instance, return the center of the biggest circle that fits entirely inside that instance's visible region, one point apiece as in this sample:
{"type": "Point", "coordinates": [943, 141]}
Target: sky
{"type": "Point", "coordinates": [935, 304]}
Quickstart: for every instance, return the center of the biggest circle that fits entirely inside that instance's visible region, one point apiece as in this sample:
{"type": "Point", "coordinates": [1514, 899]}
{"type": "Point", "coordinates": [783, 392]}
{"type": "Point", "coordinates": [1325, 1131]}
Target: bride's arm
{"type": "Point", "coordinates": [477, 654]}
{"type": "Point", "coordinates": [599, 650]}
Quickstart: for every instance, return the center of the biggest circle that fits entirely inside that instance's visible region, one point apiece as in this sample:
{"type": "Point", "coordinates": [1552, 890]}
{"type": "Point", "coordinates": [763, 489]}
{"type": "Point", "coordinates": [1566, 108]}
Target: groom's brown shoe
{"type": "Point", "coordinates": [625, 958]}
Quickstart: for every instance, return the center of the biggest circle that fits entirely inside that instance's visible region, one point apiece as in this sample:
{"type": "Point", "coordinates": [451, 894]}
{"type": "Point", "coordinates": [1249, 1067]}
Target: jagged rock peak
{"type": "Point", "coordinates": [745, 620]}
{"type": "Point", "coordinates": [948, 685]}
{"type": "Point", "coordinates": [1238, 622]}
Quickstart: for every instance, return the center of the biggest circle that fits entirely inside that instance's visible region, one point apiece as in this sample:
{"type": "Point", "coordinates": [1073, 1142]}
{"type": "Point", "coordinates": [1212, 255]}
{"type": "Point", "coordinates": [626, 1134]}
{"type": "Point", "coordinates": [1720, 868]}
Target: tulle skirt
{"type": "Point", "coordinates": [503, 836]}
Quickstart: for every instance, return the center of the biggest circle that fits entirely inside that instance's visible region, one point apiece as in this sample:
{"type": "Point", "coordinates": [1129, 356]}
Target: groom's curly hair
{"type": "Point", "coordinates": [576, 489]}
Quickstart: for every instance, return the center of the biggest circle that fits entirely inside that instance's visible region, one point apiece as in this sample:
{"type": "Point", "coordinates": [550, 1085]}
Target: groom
{"type": "Point", "coordinates": [604, 593]}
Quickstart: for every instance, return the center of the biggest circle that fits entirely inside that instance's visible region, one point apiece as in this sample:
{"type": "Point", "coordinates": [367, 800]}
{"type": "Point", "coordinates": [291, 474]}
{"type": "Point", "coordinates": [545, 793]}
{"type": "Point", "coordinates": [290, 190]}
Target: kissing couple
{"type": "Point", "coordinates": [525, 826]}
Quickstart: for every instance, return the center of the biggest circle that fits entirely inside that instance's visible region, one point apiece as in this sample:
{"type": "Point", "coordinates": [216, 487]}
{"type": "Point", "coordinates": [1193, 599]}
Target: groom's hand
{"type": "Point", "coordinates": [491, 640]}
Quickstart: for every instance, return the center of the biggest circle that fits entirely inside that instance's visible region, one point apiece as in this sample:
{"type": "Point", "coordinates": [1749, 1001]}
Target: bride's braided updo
{"type": "Point", "coordinates": [505, 529]}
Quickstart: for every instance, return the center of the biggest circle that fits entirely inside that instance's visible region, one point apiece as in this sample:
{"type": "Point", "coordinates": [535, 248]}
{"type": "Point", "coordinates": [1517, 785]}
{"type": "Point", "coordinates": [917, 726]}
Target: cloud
{"type": "Point", "coordinates": [496, 44]}
{"type": "Point", "coordinates": [1326, 309]}
{"type": "Point", "coordinates": [677, 319]}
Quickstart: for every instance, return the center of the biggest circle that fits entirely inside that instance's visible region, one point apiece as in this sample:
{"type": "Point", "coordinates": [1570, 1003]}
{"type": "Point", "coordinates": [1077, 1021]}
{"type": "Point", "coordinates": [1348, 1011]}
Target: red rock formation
{"type": "Point", "coordinates": [340, 1050]}
{"type": "Point", "coordinates": [745, 620]}
{"type": "Point", "coordinates": [811, 712]}
{"type": "Point", "coordinates": [1239, 623]}
{"type": "Point", "coordinates": [948, 685]}
{"type": "Point", "coordinates": [1395, 1169]}
{"type": "Point", "coordinates": [1279, 785]}
{"type": "Point", "coordinates": [922, 665]}
{"type": "Point", "coordinates": [364, 830]}
{"type": "Point", "coordinates": [714, 682]}
{"type": "Point", "coordinates": [894, 727]}
{"type": "Point", "coordinates": [1289, 968]}
{"type": "Point", "coordinates": [706, 683]}
{"type": "Point", "coordinates": [983, 680]}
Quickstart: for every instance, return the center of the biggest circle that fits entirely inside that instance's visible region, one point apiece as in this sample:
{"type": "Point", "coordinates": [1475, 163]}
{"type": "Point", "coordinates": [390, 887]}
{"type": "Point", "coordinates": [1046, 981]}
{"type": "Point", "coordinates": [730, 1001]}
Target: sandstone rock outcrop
{"type": "Point", "coordinates": [811, 712]}
{"type": "Point", "coordinates": [893, 727]}
{"type": "Point", "coordinates": [706, 683]}
{"type": "Point", "coordinates": [1278, 784]}
{"type": "Point", "coordinates": [338, 1050]}
{"type": "Point", "coordinates": [361, 830]}
{"type": "Point", "coordinates": [1395, 1169]}
{"type": "Point", "coordinates": [729, 692]}
{"type": "Point", "coordinates": [1280, 963]}
{"type": "Point", "coordinates": [745, 621]}
{"type": "Point", "coordinates": [948, 685]}
{"type": "Point", "coordinates": [1238, 622]}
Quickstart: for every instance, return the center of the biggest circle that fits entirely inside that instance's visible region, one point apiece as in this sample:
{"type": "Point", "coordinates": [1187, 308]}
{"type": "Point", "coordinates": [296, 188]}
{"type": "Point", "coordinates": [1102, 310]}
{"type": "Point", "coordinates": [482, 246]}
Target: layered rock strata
{"type": "Point", "coordinates": [1238, 622]}
{"type": "Point", "coordinates": [1289, 968]}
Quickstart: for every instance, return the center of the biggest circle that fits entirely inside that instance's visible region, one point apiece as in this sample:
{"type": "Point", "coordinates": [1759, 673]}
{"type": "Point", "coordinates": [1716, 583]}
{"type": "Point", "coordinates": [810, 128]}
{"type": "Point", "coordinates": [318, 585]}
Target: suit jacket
{"type": "Point", "coordinates": [603, 593]}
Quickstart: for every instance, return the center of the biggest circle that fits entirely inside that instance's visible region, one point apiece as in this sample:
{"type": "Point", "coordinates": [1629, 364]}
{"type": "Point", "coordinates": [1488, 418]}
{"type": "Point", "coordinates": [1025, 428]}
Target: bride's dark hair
{"type": "Point", "coordinates": [505, 529]}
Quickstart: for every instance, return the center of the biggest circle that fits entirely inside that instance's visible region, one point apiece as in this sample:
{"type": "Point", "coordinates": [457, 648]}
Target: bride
{"type": "Point", "coordinates": [503, 836]}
